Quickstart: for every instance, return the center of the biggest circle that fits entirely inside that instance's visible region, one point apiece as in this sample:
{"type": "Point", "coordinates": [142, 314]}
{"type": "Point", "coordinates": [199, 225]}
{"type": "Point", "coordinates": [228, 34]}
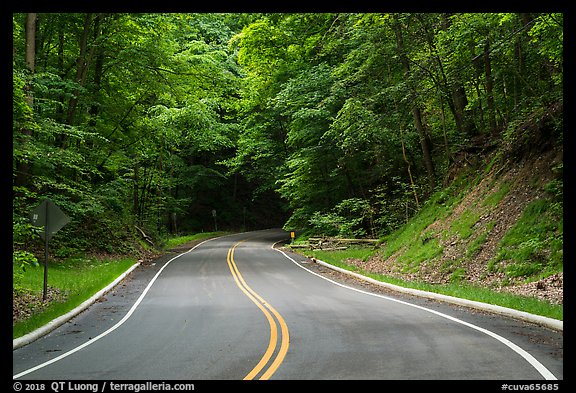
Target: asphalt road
{"type": "Point", "coordinates": [234, 308]}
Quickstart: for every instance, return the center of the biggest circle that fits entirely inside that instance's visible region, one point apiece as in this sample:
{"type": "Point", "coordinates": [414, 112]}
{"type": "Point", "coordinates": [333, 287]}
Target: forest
{"type": "Point", "coordinates": [331, 123]}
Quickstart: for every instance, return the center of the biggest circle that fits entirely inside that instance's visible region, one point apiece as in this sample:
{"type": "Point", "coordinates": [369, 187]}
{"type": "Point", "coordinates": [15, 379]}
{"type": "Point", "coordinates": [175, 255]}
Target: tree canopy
{"type": "Point", "coordinates": [339, 123]}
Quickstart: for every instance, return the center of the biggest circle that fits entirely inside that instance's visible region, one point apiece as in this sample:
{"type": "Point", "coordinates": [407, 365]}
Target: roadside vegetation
{"type": "Point", "coordinates": [176, 241]}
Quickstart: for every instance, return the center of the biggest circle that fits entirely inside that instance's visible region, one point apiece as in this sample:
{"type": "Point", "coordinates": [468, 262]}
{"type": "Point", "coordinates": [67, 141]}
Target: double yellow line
{"type": "Point", "coordinates": [270, 313]}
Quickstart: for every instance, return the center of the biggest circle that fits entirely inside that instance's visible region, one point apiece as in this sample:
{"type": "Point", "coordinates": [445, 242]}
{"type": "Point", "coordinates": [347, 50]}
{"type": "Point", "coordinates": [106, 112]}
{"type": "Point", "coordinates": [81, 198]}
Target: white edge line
{"type": "Point", "coordinates": [117, 325]}
{"type": "Point", "coordinates": [528, 357]}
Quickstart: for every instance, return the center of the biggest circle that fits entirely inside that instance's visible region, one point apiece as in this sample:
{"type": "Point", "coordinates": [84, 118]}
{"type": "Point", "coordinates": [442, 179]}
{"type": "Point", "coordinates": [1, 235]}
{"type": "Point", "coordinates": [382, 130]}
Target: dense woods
{"type": "Point", "coordinates": [341, 124]}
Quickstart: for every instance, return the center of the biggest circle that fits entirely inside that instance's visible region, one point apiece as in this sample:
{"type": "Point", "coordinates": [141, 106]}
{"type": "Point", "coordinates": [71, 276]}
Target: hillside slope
{"type": "Point", "coordinates": [498, 224]}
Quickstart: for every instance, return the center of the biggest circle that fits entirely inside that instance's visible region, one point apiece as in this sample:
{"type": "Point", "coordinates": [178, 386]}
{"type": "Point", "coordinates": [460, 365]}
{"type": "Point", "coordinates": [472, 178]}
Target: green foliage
{"type": "Point", "coordinates": [496, 197]}
{"type": "Point", "coordinates": [21, 111]}
{"type": "Point", "coordinates": [20, 261]}
{"type": "Point", "coordinates": [547, 36]}
{"type": "Point", "coordinates": [463, 225]}
{"type": "Point", "coordinates": [349, 218]}
{"type": "Point", "coordinates": [425, 249]}
{"type": "Point", "coordinates": [341, 112]}
{"type": "Point", "coordinates": [534, 245]}
{"type": "Point", "coordinates": [179, 240]}
{"type": "Point", "coordinates": [137, 135]}
{"type": "Point", "coordinates": [329, 122]}
{"type": "Point", "coordinates": [326, 224]}
{"type": "Point", "coordinates": [23, 259]}
{"type": "Point", "coordinates": [411, 234]}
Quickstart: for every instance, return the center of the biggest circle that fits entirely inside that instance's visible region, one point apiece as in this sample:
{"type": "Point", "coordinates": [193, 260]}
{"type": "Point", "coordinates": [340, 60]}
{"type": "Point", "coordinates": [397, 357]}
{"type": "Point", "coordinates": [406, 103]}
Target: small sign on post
{"type": "Point", "coordinates": [292, 235]}
{"type": "Point", "coordinates": [48, 215]}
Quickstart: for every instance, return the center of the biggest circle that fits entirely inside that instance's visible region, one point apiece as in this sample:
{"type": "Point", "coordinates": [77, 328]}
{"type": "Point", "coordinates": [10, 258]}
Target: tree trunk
{"type": "Point", "coordinates": [457, 100]}
{"type": "Point", "coordinates": [81, 69]}
{"type": "Point", "coordinates": [31, 41]}
{"type": "Point", "coordinates": [416, 112]}
{"type": "Point", "coordinates": [135, 190]}
{"type": "Point", "coordinates": [98, 68]}
{"type": "Point", "coordinates": [462, 115]}
{"type": "Point", "coordinates": [408, 168]}
{"type": "Point", "coordinates": [23, 167]}
{"type": "Point", "coordinates": [489, 88]}
{"type": "Point", "coordinates": [62, 70]}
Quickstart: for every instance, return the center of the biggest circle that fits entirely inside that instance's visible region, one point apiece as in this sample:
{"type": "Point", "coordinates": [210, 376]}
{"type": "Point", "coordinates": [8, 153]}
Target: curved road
{"type": "Point", "coordinates": [235, 308]}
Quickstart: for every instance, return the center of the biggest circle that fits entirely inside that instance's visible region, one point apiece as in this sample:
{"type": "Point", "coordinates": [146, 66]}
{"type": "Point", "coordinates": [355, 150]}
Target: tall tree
{"type": "Point", "coordinates": [425, 141]}
{"type": "Point", "coordinates": [23, 165]}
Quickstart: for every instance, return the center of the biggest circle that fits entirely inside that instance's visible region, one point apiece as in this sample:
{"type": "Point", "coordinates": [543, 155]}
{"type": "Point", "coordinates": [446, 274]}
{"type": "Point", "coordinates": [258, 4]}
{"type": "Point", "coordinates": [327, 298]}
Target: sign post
{"type": "Point", "coordinates": [215, 223]}
{"type": "Point", "coordinates": [48, 215]}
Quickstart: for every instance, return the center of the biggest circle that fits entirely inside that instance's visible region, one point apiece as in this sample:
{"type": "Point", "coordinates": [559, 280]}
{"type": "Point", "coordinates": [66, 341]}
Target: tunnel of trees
{"type": "Point", "coordinates": [269, 120]}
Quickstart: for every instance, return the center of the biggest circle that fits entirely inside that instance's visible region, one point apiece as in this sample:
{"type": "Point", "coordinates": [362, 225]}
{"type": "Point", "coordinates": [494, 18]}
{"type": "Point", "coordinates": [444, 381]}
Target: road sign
{"type": "Point", "coordinates": [49, 216]}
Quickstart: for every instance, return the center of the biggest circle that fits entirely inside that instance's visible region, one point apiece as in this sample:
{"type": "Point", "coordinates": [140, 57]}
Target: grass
{"type": "Point", "coordinates": [416, 244]}
{"type": "Point", "coordinates": [476, 245]}
{"type": "Point", "coordinates": [77, 278]}
{"type": "Point", "coordinates": [456, 289]}
{"type": "Point", "coordinates": [496, 197]}
{"type": "Point", "coordinates": [464, 225]}
{"type": "Point", "coordinates": [176, 241]}
{"type": "Point", "coordinates": [335, 257]}
{"type": "Point", "coordinates": [533, 246]}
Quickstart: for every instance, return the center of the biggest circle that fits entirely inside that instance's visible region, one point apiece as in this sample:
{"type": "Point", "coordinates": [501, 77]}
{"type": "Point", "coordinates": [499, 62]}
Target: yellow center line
{"type": "Point", "coordinates": [263, 306]}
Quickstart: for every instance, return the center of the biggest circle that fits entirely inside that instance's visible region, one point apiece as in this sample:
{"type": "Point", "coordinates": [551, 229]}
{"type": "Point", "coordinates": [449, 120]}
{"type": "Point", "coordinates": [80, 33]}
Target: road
{"type": "Point", "coordinates": [234, 308]}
